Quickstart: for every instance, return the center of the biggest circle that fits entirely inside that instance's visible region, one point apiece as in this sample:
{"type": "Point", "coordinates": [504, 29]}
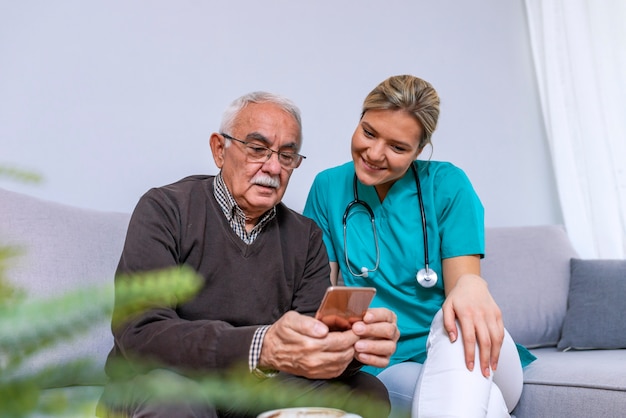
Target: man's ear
{"type": "Point", "coordinates": [217, 143]}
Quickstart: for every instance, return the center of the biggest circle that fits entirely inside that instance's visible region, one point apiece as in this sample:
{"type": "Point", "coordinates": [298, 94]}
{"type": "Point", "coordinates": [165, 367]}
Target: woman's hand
{"type": "Point", "coordinates": [378, 334]}
{"type": "Point", "coordinates": [470, 303]}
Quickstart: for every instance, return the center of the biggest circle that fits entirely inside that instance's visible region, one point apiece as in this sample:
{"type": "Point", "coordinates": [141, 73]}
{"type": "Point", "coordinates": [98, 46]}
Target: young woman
{"type": "Point", "coordinates": [414, 229]}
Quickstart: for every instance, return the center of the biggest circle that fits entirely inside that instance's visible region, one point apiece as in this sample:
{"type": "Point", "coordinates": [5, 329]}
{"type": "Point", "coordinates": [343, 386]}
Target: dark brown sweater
{"type": "Point", "coordinates": [285, 268]}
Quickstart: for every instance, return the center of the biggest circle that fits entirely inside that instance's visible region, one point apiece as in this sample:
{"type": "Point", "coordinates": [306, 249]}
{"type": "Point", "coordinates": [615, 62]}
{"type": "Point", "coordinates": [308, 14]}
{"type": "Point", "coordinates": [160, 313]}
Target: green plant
{"type": "Point", "coordinates": [30, 326]}
{"type": "Point", "coordinates": [24, 176]}
{"type": "Point", "coordinates": [8, 293]}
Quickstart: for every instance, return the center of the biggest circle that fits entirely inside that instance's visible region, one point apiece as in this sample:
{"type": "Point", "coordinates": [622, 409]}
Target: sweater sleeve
{"type": "Point", "coordinates": [159, 334]}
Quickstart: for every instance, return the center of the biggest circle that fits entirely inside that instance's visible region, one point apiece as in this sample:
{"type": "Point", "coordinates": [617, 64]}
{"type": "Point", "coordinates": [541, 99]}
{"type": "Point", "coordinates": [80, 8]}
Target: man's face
{"type": "Point", "coordinates": [250, 182]}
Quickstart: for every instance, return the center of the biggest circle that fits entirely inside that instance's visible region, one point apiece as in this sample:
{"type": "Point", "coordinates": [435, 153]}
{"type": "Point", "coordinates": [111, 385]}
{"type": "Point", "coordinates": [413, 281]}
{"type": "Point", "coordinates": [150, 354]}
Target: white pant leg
{"type": "Point", "coordinates": [509, 376]}
{"type": "Point", "coordinates": [447, 389]}
{"type": "Point", "coordinates": [400, 381]}
{"type": "Point", "coordinates": [496, 407]}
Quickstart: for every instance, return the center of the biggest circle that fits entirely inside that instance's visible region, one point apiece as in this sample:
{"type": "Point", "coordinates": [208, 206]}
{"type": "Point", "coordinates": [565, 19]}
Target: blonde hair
{"type": "Point", "coordinates": [411, 94]}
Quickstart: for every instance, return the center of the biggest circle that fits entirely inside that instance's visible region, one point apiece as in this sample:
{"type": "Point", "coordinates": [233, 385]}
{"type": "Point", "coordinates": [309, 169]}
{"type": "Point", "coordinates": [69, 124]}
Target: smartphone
{"type": "Point", "coordinates": [342, 306]}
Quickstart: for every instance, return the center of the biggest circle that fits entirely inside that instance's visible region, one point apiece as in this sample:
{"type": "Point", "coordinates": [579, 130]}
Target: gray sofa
{"type": "Point", "coordinates": [528, 270]}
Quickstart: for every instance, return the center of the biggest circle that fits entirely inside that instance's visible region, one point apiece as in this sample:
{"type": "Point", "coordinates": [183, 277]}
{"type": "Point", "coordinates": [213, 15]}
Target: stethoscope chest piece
{"type": "Point", "coordinates": [427, 277]}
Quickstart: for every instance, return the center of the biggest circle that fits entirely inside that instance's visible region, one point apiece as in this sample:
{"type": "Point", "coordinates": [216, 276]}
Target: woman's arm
{"type": "Point", "coordinates": [469, 302]}
{"type": "Point", "coordinates": [334, 273]}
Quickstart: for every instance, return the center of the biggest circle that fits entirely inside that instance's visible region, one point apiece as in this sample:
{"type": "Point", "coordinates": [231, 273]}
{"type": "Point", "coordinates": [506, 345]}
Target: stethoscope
{"type": "Point", "coordinates": [426, 276]}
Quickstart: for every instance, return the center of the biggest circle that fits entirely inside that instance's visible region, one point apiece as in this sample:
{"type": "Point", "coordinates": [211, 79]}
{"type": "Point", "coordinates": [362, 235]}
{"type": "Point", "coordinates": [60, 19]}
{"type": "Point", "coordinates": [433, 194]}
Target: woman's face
{"type": "Point", "coordinates": [384, 145]}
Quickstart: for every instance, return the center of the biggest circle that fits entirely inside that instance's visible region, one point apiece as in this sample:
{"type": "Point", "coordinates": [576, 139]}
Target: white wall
{"type": "Point", "coordinates": [108, 98]}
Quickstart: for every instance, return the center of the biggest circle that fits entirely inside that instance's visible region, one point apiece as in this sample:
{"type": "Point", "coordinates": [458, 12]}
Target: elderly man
{"type": "Point", "coordinates": [265, 271]}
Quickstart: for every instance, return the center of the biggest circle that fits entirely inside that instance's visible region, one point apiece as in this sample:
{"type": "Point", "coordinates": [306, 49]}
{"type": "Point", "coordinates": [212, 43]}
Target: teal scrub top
{"type": "Point", "coordinates": [455, 227]}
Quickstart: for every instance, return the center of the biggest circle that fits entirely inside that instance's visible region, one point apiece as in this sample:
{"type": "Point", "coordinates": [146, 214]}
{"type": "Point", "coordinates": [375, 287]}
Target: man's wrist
{"type": "Point", "coordinates": [264, 373]}
{"type": "Point", "coordinates": [255, 354]}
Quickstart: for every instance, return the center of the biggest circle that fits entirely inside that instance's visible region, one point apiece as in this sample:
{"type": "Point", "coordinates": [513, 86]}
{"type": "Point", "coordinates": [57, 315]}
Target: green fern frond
{"type": "Point", "coordinates": [8, 292]}
{"type": "Point", "coordinates": [35, 324]}
{"type": "Point", "coordinates": [22, 394]}
{"type": "Point", "coordinates": [238, 387]}
{"type": "Point", "coordinates": [18, 174]}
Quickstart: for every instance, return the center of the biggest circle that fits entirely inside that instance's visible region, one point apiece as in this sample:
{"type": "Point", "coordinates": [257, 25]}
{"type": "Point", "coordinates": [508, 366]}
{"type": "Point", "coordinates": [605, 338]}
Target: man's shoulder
{"type": "Point", "coordinates": [186, 189]}
{"type": "Point", "coordinates": [187, 184]}
{"type": "Point", "coordinates": [191, 182]}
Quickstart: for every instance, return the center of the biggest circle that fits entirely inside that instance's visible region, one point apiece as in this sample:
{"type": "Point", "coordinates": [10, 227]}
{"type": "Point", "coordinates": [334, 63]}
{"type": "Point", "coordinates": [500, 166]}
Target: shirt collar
{"type": "Point", "coordinates": [229, 205]}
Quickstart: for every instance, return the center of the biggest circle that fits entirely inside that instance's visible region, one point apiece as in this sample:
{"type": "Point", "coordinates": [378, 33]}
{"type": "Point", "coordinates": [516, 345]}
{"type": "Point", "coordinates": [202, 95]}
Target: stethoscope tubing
{"type": "Point", "coordinates": [425, 277]}
{"type": "Point", "coordinates": [364, 271]}
{"type": "Point", "coordinates": [420, 200]}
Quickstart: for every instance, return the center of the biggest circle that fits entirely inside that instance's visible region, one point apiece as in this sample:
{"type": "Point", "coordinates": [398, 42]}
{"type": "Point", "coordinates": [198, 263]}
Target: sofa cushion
{"type": "Point", "coordinates": [62, 247]}
{"type": "Point", "coordinates": [528, 271]}
{"type": "Point", "coordinates": [574, 384]}
{"type": "Point", "coordinates": [595, 317]}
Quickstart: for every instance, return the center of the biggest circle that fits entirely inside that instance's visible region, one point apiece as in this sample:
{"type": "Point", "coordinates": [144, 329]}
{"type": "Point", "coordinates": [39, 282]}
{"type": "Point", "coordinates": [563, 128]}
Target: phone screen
{"type": "Point", "coordinates": [342, 306]}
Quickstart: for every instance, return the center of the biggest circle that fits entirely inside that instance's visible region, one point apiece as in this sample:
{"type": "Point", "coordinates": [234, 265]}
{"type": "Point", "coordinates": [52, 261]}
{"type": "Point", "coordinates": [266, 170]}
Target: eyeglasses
{"type": "Point", "coordinates": [257, 153]}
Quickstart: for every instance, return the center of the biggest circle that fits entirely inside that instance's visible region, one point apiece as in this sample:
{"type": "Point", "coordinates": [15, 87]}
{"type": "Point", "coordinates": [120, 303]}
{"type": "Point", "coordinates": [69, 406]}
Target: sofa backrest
{"type": "Point", "coordinates": [528, 271]}
{"type": "Point", "coordinates": [61, 248]}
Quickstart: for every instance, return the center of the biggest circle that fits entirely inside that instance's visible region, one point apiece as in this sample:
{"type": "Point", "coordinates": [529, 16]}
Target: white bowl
{"type": "Point", "coordinates": [307, 412]}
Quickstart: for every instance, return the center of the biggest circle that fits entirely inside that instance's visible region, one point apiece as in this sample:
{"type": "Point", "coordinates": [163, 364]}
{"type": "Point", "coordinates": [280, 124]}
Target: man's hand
{"type": "Point", "coordinates": [378, 334]}
{"type": "Point", "coordinates": [303, 346]}
{"type": "Point", "coordinates": [480, 319]}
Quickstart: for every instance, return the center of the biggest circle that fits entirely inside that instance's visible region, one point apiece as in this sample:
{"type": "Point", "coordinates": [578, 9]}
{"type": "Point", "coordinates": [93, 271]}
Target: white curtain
{"type": "Point", "coordinates": [579, 49]}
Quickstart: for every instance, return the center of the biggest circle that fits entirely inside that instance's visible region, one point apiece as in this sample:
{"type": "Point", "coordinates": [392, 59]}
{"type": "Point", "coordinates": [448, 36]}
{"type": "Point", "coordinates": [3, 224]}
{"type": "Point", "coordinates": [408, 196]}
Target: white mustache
{"type": "Point", "coordinates": [266, 181]}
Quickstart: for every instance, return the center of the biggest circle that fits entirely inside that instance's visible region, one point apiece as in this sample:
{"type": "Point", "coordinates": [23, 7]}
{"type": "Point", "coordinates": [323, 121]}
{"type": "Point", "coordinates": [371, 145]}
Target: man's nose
{"type": "Point", "coordinates": [272, 165]}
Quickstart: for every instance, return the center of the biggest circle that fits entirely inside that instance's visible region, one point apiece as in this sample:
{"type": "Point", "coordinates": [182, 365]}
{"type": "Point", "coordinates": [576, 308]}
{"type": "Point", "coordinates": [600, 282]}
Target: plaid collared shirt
{"type": "Point", "coordinates": [235, 216]}
{"type": "Point", "coordinates": [237, 220]}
